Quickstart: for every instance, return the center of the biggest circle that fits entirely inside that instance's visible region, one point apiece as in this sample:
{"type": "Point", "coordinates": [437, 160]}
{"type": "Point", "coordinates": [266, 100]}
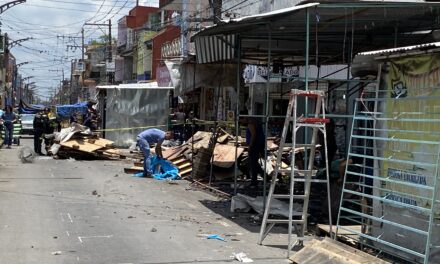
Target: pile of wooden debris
{"type": "Point", "coordinates": [199, 150]}
{"type": "Point", "coordinates": [79, 143]}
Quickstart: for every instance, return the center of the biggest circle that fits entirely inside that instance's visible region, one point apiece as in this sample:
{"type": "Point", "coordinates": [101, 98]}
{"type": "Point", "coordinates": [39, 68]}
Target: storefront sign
{"type": "Point", "coordinates": [255, 73]}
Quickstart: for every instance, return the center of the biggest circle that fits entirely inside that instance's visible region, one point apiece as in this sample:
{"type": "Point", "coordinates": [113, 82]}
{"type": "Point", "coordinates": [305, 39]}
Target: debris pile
{"type": "Point", "coordinates": [79, 142]}
{"type": "Point", "coordinates": [196, 154]}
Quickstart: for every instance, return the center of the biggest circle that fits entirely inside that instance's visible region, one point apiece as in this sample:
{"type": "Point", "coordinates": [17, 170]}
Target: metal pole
{"type": "Point", "coordinates": [237, 110]}
{"type": "Point", "coordinates": [192, 120]}
{"type": "Point", "coordinates": [82, 59]}
{"type": "Point", "coordinates": [306, 79]}
{"type": "Point", "coordinates": [266, 118]}
{"type": "Point", "coordinates": [110, 40]}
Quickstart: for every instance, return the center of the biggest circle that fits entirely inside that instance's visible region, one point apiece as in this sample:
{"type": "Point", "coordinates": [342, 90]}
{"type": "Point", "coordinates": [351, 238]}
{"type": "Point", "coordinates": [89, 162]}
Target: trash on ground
{"type": "Point", "coordinates": [139, 174]}
{"type": "Point", "coordinates": [56, 253]}
{"type": "Point", "coordinates": [26, 155]}
{"type": "Point", "coordinates": [215, 236]}
{"type": "Point", "coordinates": [244, 203]}
{"type": "Point", "coordinates": [242, 257]}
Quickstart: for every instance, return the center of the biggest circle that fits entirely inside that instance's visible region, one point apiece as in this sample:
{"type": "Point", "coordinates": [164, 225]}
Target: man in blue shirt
{"type": "Point", "coordinates": [152, 136]}
{"type": "Point", "coordinates": [8, 119]}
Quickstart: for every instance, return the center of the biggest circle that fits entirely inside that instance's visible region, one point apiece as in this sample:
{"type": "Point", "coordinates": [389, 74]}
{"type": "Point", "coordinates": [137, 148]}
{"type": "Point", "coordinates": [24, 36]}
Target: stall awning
{"type": "Point", "coordinates": [149, 85]}
{"type": "Point", "coordinates": [215, 48]}
{"type": "Point", "coordinates": [337, 29]}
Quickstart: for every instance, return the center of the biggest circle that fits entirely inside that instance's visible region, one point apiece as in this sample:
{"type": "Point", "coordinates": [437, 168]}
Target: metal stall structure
{"type": "Point", "coordinates": [128, 109]}
{"type": "Point", "coordinates": [394, 195]}
{"type": "Point", "coordinates": [324, 33]}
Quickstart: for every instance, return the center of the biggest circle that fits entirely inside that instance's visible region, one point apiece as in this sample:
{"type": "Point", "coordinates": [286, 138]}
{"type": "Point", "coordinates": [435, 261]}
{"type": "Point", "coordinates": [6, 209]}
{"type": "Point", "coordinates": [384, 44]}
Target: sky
{"type": "Point", "coordinates": [54, 27]}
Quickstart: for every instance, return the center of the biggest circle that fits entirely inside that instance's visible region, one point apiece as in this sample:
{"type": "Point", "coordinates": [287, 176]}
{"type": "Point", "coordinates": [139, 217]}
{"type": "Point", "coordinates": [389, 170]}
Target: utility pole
{"type": "Point", "coordinates": [82, 61]}
{"type": "Point", "coordinates": [3, 8]}
{"type": "Point", "coordinates": [110, 46]}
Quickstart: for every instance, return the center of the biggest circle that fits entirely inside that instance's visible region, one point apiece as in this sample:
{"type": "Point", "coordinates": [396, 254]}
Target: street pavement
{"type": "Point", "coordinates": [68, 211]}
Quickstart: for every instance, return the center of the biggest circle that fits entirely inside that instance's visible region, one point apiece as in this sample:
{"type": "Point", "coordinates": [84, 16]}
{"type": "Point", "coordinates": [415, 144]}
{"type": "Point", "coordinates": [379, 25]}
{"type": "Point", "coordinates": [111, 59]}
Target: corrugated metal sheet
{"type": "Point", "coordinates": [215, 48]}
{"type": "Point", "coordinates": [401, 49]}
{"type": "Point", "coordinates": [370, 25]}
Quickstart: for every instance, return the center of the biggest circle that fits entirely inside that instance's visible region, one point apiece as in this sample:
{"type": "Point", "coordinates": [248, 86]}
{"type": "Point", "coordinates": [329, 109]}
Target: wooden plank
{"type": "Point", "coordinates": [185, 165]}
{"type": "Point", "coordinates": [81, 145]}
{"type": "Point", "coordinates": [224, 155]}
{"type": "Point", "coordinates": [133, 169]}
{"type": "Point", "coordinates": [179, 160]}
{"type": "Point", "coordinates": [167, 153]}
{"type": "Point", "coordinates": [185, 172]}
{"type": "Point", "coordinates": [331, 251]}
{"type": "Point", "coordinates": [103, 142]}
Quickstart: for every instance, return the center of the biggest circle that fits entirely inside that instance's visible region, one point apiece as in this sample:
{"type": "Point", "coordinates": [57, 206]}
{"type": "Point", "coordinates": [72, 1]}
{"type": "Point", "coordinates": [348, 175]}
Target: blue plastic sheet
{"type": "Point", "coordinates": [65, 111]}
{"type": "Point", "coordinates": [217, 237]}
{"type": "Point", "coordinates": [167, 169]}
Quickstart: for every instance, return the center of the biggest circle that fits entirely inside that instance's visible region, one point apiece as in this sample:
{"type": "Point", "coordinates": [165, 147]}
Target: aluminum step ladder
{"type": "Point", "coordinates": [315, 123]}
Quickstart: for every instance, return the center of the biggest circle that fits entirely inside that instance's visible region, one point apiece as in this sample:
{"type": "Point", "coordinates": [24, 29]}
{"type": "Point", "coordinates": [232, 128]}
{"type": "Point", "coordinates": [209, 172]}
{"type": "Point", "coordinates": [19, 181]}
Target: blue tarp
{"type": "Point", "coordinates": [65, 111]}
{"type": "Point", "coordinates": [29, 109]}
{"type": "Point", "coordinates": [167, 169]}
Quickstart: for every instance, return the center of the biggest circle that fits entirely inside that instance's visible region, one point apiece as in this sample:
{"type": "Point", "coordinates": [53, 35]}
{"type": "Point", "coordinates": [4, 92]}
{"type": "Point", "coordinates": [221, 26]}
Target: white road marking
{"type": "Point", "coordinates": [80, 238]}
{"type": "Point", "coordinates": [70, 218]}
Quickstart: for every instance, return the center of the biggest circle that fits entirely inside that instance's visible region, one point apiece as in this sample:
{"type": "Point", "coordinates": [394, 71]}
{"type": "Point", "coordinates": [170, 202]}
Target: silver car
{"type": "Point", "coordinates": [27, 123]}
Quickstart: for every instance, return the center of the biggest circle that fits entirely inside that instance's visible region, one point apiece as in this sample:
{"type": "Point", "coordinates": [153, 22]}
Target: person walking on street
{"type": "Point", "coordinates": [8, 119]}
{"type": "Point", "coordinates": [152, 136]}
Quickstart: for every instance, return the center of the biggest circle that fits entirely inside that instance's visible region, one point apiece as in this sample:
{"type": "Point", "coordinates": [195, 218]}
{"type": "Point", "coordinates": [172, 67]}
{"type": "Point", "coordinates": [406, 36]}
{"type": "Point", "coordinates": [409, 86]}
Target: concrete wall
{"type": "Point", "coordinates": [144, 56]}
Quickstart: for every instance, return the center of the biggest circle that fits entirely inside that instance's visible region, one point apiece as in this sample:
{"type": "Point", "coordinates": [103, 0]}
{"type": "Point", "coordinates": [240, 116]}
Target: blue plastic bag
{"type": "Point", "coordinates": [167, 170]}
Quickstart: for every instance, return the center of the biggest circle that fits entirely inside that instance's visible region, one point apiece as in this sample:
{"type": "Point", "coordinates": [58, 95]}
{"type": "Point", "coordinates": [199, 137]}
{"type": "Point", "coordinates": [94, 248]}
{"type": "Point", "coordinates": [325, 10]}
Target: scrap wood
{"type": "Point", "coordinates": [168, 152]}
{"type": "Point", "coordinates": [211, 188]}
{"type": "Point", "coordinates": [224, 155]}
{"type": "Point", "coordinates": [81, 145]}
{"type": "Point", "coordinates": [102, 142]}
{"type": "Point", "coordinates": [134, 169]}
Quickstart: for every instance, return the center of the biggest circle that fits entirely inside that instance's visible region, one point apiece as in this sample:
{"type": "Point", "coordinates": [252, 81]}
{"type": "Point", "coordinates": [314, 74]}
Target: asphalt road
{"type": "Point", "coordinates": [67, 211]}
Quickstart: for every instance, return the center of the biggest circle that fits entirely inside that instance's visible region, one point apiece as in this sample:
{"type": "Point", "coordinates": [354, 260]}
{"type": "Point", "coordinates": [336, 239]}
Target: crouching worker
{"type": "Point", "coordinates": [152, 136]}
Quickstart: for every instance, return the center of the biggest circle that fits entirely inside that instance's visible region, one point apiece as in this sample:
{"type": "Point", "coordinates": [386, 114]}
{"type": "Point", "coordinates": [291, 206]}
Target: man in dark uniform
{"type": "Point", "coordinates": [41, 125]}
{"type": "Point", "coordinates": [91, 117]}
{"type": "Point", "coordinates": [255, 139]}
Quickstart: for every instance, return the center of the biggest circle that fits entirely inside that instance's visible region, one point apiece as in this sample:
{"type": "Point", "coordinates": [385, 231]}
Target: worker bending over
{"type": "Point", "coordinates": [152, 136]}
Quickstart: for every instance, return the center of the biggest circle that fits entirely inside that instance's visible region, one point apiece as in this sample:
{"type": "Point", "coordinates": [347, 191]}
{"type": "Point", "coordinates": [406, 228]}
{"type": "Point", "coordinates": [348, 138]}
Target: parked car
{"type": "Point", "coordinates": [27, 123]}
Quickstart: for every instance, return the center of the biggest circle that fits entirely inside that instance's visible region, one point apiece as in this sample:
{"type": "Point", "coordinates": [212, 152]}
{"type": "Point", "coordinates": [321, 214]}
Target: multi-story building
{"type": "Point", "coordinates": [134, 31]}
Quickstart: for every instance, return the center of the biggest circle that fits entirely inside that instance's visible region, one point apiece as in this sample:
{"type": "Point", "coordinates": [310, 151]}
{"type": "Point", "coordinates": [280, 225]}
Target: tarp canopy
{"type": "Point", "coordinates": [65, 111]}
{"type": "Point", "coordinates": [24, 108]}
{"type": "Point", "coordinates": [337, 29]}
